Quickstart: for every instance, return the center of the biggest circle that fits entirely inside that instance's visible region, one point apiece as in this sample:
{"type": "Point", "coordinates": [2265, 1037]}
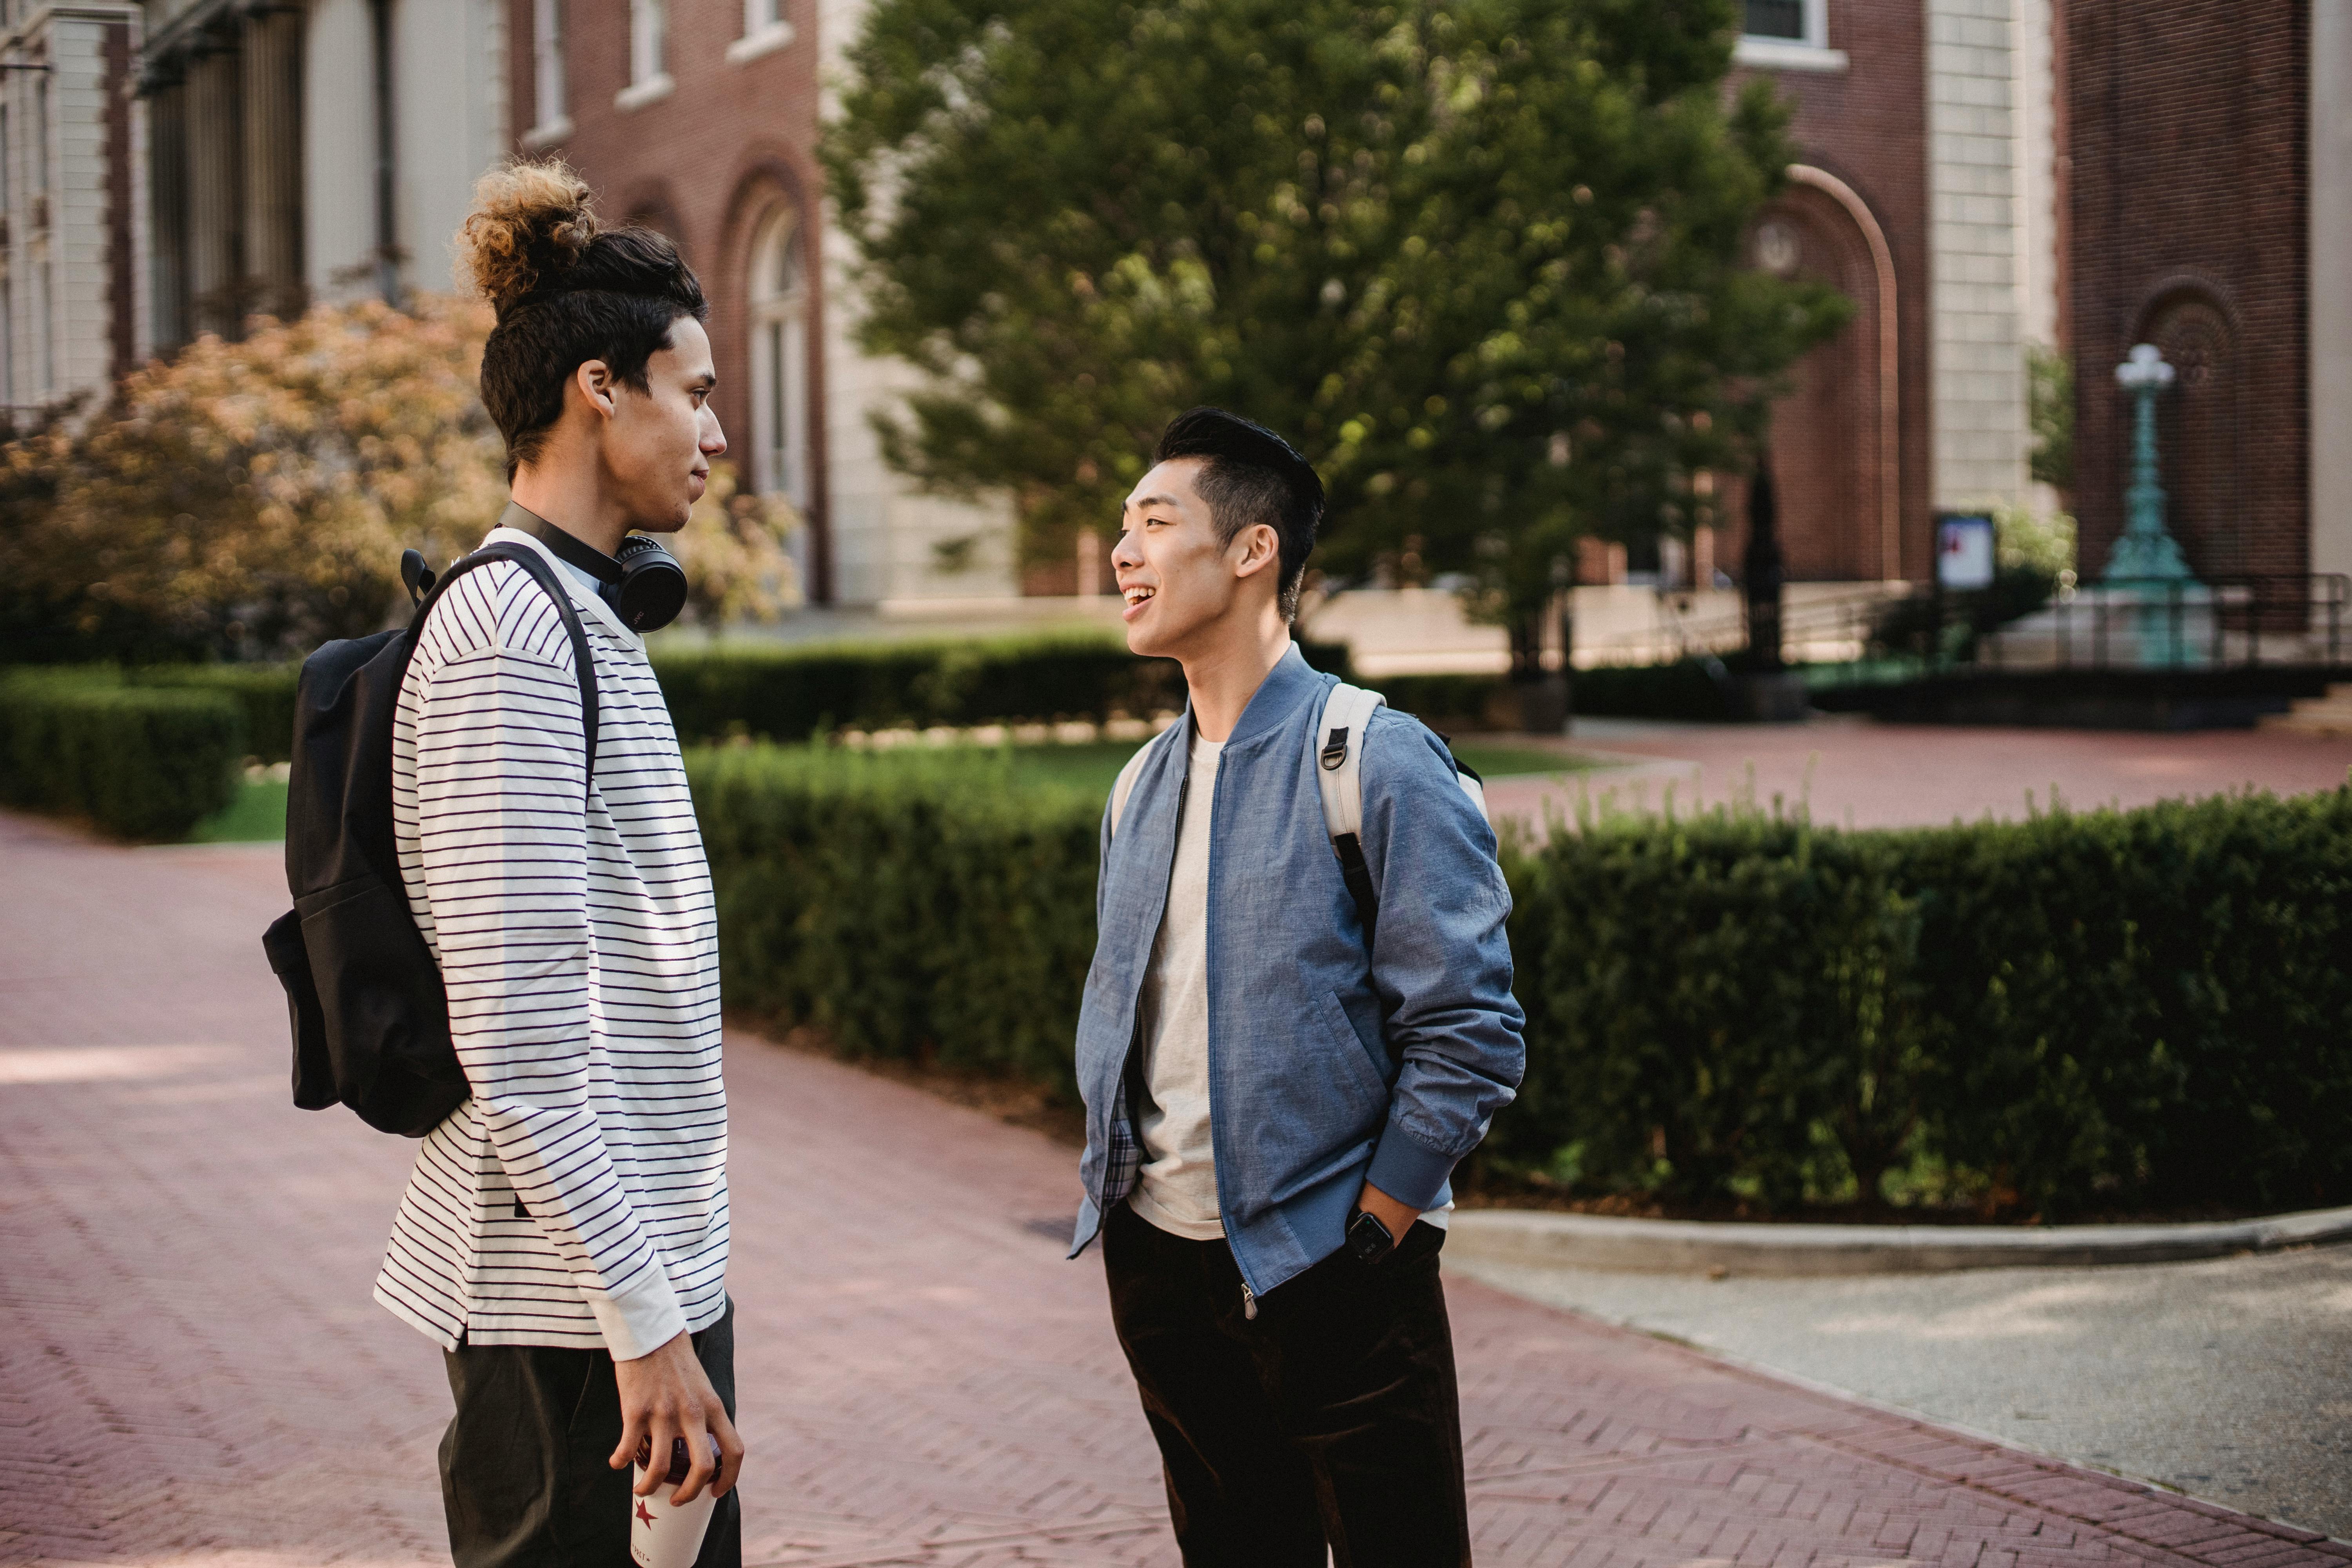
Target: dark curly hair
{"type": "Point", "coordinates": [565, 290]}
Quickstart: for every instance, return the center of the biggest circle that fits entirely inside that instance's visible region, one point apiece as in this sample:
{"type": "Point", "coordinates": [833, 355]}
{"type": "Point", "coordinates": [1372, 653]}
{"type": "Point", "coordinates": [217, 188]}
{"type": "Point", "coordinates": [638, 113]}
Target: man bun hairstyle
{"type": "Point", "coordinates": [565, 289]}
{"type": "Point", "coordinates": [1249, 476]}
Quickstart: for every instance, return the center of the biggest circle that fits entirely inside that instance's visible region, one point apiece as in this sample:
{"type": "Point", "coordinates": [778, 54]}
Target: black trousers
{"type": "Point", "coordinates": [1332, 1418]}
{"type": "Point", "coordinates": [524, 1471]}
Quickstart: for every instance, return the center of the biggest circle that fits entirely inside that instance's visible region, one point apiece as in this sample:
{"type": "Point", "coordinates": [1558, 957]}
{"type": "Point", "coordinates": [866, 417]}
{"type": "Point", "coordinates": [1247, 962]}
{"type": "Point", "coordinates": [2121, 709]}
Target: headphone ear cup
{"type": "Point", "coordinates": [652, 589]}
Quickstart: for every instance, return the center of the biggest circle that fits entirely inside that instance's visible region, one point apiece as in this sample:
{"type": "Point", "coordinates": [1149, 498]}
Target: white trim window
{"type": "Point", "coordinates": [548, 85]}
{"type": "Point", "coordinates": [1787, 35]}
{"type": "Point", "coordinates": [764, 31]}
{"type": "Point", "coordinates": [779, 338]}
{"type": "Point", "coordinates": [649, 78]}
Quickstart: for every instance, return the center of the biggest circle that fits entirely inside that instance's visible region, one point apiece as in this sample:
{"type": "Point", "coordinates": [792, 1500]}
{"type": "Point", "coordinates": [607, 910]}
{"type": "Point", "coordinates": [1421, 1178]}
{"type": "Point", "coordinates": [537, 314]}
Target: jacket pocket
{"type": "Point", "coordinates": [1367, 1064]}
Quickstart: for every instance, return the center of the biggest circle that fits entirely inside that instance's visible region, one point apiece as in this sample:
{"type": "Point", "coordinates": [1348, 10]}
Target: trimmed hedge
{"type": "Point", "coordinates": [264, 691]}
{"type": "Point", "coordinates": [913, 905]}
{"type": "Point", "coordinates": [140, 762]}
{"type": "Point", "coordinates": [781, 692]}
{"type": "Point", "coordinates": [2082, 1011]}
{"type": "Point", "coordinates": [2143, 1008]}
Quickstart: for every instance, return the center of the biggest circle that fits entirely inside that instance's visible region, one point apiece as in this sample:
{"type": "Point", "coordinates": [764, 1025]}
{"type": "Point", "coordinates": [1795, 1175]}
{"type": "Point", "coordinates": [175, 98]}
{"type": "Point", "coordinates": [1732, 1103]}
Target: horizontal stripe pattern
{"type": "Point", "coordinates": [579, 1198]}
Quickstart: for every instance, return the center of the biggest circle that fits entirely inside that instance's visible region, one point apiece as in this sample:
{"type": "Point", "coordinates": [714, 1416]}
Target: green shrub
{"type": "Point", "coordinates": [264, 691]}
{"type": "Point", "coordinates": [2095, 1010]}
{"type": "Point", "coordinates": [2137, 1008]}
{"type": "Point", "coordinates": [140, 762]}
{"type": "Point", "coordinates": [775, 691]}
{"type": "Point", "coordinates": [1702, 995]}
{"type": "Point", "coordinates": [913, 905]}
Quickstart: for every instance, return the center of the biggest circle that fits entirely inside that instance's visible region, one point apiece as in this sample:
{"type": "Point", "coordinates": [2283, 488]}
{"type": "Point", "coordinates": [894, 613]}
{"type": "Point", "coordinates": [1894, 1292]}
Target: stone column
{"type": "Point", "coordinates": [216, 267]}
{"type": "Point", "coordinates": [167, 193]}
{"type": "Point", "coordinates": [271, 83]}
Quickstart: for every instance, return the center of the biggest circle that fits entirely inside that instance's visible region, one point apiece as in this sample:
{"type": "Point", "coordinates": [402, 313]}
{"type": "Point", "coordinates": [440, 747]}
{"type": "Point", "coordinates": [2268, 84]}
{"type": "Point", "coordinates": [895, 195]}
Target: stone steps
{"type": "Point", "coordinates": [2328, 715]}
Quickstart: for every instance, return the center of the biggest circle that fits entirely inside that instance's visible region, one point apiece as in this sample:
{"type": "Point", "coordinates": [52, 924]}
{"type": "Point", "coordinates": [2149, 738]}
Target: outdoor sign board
{"type": "Point", "coordinates": [1964, 554]}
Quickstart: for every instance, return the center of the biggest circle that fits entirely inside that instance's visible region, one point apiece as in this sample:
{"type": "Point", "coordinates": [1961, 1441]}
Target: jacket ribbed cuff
{"type": "Point", "coordinates": [640, 1319]}
{"type": "Point", "coordinates": [1407, 1170]}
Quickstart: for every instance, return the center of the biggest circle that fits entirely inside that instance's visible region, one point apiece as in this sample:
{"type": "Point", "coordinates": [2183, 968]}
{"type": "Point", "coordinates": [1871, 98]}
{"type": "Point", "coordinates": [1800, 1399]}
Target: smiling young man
{"type": "Point", "coordinates": [563, 1236]}
{"type": "Point", "coordinates": [1274, 1103]}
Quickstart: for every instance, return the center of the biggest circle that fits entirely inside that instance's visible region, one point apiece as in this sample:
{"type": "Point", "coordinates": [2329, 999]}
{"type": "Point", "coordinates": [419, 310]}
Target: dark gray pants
{"type": "Point", "coordinates": [524, 1471]}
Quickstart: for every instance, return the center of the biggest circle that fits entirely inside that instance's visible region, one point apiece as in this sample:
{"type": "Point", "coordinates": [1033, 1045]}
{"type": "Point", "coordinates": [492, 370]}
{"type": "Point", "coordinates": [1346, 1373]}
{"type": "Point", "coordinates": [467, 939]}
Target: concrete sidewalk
{"type": "Point", "coordinates": [194, 1374]}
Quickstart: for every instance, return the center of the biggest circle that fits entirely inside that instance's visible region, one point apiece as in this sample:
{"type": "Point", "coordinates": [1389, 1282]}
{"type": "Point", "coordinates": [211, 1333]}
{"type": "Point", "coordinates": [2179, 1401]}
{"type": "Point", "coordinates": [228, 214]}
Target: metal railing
{"type": "Point", "coordinates": [2275, 619]}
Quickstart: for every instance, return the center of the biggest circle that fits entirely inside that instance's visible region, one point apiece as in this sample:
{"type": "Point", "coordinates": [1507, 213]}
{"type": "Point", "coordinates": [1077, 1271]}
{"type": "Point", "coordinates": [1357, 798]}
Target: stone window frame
{"type": "Point", "coordinates": [765, 30]}
{"type": "Point", "coordinates": [649, 52]}
{"type": "Point", "coordinates": [777, 298]}
{"type": "Point", "coordinates": [1812, 53]}
{"type": "Point", "coordinates": [549, 83]}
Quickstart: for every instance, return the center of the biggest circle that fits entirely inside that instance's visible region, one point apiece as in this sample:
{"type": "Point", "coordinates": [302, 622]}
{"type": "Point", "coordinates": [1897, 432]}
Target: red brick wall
{"type": "Point", "coordinates": [1867, 125]}
{"type": "Point", "coordinates": [2188, 130]}
{"type": "Point", "coordinates": [703, 165]}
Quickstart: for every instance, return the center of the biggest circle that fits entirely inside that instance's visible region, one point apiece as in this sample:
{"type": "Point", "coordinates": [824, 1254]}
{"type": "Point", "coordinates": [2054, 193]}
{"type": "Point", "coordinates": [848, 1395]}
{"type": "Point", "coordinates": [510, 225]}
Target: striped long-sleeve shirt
{"type": "Point", "coordinates": [580, 1196]}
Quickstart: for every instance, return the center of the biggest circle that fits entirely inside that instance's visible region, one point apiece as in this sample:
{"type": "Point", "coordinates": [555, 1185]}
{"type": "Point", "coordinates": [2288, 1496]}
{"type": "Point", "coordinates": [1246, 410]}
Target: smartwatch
{"type": "Point", "coordinates": [1367, 1238]}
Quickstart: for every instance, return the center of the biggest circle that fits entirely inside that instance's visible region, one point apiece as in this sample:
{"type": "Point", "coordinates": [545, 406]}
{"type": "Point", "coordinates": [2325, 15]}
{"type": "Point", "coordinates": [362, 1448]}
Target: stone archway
{"type": "Point", "coordinates": [1836, 459]}
{"type": "Point", "coordinates": [2198, 433]}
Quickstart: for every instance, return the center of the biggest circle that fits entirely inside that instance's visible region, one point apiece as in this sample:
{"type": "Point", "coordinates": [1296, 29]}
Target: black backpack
{"type": "Point", "coordinates": [371, 1019]}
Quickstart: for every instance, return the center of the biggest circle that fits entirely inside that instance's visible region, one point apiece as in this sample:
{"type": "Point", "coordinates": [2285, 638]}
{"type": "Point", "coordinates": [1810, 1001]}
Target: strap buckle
{"type": "Point", "coordinates": [1335, 750]}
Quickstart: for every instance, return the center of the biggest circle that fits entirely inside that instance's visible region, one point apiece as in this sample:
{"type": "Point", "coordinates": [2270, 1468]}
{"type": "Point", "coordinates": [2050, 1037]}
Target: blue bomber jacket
{"type": "Point", "coordinates": [1328, 1064]}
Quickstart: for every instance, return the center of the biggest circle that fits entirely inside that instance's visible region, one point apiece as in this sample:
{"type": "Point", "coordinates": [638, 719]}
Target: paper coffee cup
{"type": "Point", "coordinates": [662, 1534]}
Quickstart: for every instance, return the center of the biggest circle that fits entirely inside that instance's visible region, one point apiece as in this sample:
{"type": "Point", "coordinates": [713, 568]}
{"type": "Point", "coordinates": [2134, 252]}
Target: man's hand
{"type": "Point", "coordinates": [665, 1396]}
{"type": "Point", "coordinates": [1397, 1217]}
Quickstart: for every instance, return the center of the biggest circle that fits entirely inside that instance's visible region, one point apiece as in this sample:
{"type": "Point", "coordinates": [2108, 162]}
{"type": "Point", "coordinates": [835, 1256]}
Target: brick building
{"type": "Point", "coordinates": [71, 185]}
{"type": "Point", "coordinates": [699, 118]}
{"type": "Point", "coordinates": [1922, 190]}
{"type": "Point", "coordinates": [2210, 212]}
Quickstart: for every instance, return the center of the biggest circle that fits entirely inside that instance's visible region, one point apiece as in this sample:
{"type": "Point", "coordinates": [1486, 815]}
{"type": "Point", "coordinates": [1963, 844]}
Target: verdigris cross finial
{"type": "Point", "coordinates": [2146, 550]}
{"type": "Point", "coordinates": [2144, 367]}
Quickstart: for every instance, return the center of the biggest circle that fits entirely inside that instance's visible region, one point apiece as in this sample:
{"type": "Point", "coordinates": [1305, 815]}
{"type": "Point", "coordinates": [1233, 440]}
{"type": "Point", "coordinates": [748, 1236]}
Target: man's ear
{"type": "Point", "coordinates": [594, 381]}
{"type": "Point", "coordinates": [1254, 549]}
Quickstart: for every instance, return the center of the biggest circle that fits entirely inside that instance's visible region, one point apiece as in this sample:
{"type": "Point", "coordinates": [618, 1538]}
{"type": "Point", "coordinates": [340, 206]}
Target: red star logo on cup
{"type": "Point", "coordinates": [644, 1512]}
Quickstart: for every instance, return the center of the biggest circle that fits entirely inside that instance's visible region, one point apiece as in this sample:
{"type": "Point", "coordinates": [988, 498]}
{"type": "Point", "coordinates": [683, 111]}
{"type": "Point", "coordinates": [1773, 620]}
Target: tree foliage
{"type": "Point", "coordinates": [253, 498]}
{"type": "Point", "coordinates": [1481, 260]}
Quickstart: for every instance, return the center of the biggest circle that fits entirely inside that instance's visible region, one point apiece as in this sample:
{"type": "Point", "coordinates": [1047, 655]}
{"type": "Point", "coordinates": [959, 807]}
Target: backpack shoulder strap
{"type": "Point", "coordinates": [532, 562]}
{"type": "Point", "coordinates": [1337, 757]}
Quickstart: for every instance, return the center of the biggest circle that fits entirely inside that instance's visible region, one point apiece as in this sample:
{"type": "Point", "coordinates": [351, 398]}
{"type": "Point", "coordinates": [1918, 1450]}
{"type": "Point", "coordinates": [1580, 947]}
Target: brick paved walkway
{"type": "Point", "coordinates": [191, 1371]}
{"type": "Point", "coordinates": [1896, 775]}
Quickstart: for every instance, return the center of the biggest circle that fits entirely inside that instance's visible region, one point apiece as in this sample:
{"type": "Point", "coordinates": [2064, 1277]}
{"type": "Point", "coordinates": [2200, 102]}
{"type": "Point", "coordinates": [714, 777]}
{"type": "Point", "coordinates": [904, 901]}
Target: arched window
{"type": "Point", "coordinates": [779, 408]}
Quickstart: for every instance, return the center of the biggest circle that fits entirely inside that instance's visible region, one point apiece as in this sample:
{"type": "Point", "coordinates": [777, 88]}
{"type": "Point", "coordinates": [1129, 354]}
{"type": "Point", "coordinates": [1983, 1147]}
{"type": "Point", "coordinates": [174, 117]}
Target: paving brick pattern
{"type": "Point", "coordinates": [1849, 773]}
{"type": "Point", "coordinates": [191, 1371]}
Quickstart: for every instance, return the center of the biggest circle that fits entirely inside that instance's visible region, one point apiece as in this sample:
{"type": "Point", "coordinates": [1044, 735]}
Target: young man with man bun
{"type": "Point", "coordinates": [1277, 1096]}
{"type": "Point", "coordinates": [563, 1236]}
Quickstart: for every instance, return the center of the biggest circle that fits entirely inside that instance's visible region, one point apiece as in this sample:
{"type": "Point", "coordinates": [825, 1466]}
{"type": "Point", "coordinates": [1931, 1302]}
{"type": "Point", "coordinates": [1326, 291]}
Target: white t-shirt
{"type": "Point", "coordinates": [1178, 1187]}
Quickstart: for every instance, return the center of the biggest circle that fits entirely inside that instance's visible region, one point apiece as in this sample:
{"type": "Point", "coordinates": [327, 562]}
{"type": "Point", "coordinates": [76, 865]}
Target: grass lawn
{"type": "Point", "coordinates": [257, 814]}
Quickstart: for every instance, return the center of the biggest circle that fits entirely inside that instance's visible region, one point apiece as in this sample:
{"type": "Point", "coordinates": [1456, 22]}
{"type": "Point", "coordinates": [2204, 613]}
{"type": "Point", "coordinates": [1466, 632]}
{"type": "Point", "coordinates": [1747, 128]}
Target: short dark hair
{"type": "Point", "coordinates": [564, 292]}
{"type": "Point", "coordinates": [1252, 475]}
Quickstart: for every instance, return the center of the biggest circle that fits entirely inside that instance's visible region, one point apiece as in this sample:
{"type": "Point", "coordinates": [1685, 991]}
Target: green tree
{"type": "Point", "coordinates": [1481, 259]}
{"type": "Point", "coordinates": [2050, 411]}
{"type": "Point", "coordinates": [251, 499]}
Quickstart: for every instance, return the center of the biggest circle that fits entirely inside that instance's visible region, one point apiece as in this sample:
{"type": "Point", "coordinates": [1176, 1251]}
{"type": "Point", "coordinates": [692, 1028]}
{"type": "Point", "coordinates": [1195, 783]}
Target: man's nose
{"type": "Point", "coordinates": [714, 439]}
{"type": "Point", "coordinates": [1126, 552]}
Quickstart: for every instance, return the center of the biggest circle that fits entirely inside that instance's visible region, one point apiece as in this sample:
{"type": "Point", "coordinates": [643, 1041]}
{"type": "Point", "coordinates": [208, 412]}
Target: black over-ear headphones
{"type": "Point", "coordinates": [644, 583]}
